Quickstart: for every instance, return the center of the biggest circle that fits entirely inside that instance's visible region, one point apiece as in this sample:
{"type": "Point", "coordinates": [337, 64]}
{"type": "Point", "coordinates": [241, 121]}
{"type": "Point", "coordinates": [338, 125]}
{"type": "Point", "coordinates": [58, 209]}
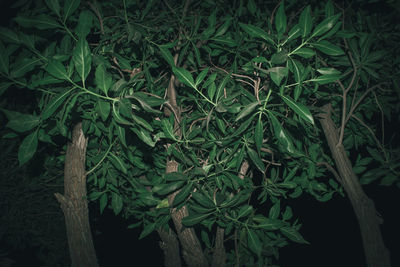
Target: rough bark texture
{"type": "Point", "coordinates": [376, 253]}
{"type": "Point", "coordinates": [74, 204]}
{"type": "Point", "coordinates": [191, 247]}
{"type": "Point", "coordinates": [219, 256]}
{"type": "Point", "coordinates": [170, 246]}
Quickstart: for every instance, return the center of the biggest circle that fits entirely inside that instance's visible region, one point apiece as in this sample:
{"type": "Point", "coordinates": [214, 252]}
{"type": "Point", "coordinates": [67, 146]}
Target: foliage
{"type": "Point", "coordinates": [251, 80]}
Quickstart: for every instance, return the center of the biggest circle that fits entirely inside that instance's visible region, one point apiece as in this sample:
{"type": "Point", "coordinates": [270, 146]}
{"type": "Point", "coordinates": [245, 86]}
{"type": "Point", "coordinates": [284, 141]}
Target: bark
{"type": "Point", "coordinates": [219, 256]}
{"type": "Point", "coordinates": [170, 246]}
{"type": "Point", "coordinates": [74, 204]}
{"type": "Point", "coordinates": [375, 251]}
{"type": "Point", "coordinates": [191, 248]}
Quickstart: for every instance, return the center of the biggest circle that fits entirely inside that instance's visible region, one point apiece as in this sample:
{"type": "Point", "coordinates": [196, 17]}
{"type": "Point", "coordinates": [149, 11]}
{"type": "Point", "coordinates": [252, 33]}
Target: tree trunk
{"type": "Point", "coordinates": [170, 246]}
{"type": "Point", "coordinates": [74, 204]}
{"type": "Point", "coordinates": [191, 248]}
{"type": "Point", "coordinates": [375, 251]}
{"type": "Point", "coordinates": [219, 256]}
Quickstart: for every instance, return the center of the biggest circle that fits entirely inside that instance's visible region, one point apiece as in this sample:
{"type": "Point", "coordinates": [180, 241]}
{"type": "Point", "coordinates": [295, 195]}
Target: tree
{"type": "Point", "coordinates": [195, 119]}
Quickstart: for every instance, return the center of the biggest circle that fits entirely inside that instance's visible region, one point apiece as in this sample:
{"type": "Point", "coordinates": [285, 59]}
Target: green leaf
{"type": "Point", "coordinates": [201, 76]}
{"type": "Point", "coordinates": [244, 211]}
{"type": "Point", "coordinates": [203, 200]}
{"type": "Point", "coordinates": [168, 129]}
{"type": "Point", "coordinates": [256, 160]}
{"type": "Point", "coordinates": [255, 31]}
{"type": "Point", "coordinates": [280, 134]}
{"type": "Point", "coordinates": [247, 110]}
{"type": "Point", "coordinates": [4, 60]}
{"type": "Point", "coordinates": [85, 23]}
{"type": "Point", "coordinates": [223, 40]}
{"type": "Point", "coordinates": [278, 73]}
{"type": "Point", "coordinates": [221, 87]}
{"type": "Point", "coordinates": [103, 108]}
{"type": "Point", "coordinates": [259, 135]}
{"type": "Point", "coordinates": [142, 122]}
{"type": "Point", "coordinates": [27, 148]}
{"type": "Point", "coordinates": [280, 19]}
{"type": "Point", "coordinates": [167, 55]}
{"type": "Point", "coordinates": [293, 235]}
{"type": "Point", "coordinates": [21, 122]}
{"type": "Point", "coordinates": [41, 22]}
{"type": "Point", "coordinates": [147, 229]}
{"type": "Point", "coordinates": [194, 219]}
{"type": "Point", "coordinates": [297, 69]}
{"type": "Point", "coordinates": [253, 242]}
{"type": "Point", "coordinates": [269, 224]}
{"type": "Point", "coordinates": [116, 203]}
{"type": "Point", "coordinates": [328, 71]}
{"type": "Point", "coordinates": [324, 79]}
{"type": "Point", "coordinates": [69, 7]}
{"type": "Point", "coordinates": [279, 58]}
{"type": "Point", "coordinates": [305, 22]}
{"type": "Point", "coordinates": [183, 194]}
{"type": "Point", "coordinates": [82, 59]}
{"type": "Point", "coordinates": [184, 76]}
{"type": "Point", "coordinates": [24, 65]}
{"type": "Point", "coordinates": [102, 78]}
{"type": "Point", "coordinates": [57, 69]}
{"type": "Point", "coordinates": [118, 163]}
{"type": "Point", "coordinates": [299, 109]}
{"type": "Point", "coordinates": [8, 36]}
{"type": "Point", "coordinates": [53, 105]}
{"type": "Point", "coordinates": [325, 25]}
{"type": "Point", "coordinates": [103, 202]}
{"type": "Point", "coordinates": [54, 6]}
{"type": "Point", "coordinates": [304, 52]}
{"type": "Point", "coordinates": [328, 48]}
{"type": "Point", "coordinates": [164, 189]}
{"type": "Point", "coordinates": [144, 136]}
{"type": "Point", "coordinates": [275, 210]}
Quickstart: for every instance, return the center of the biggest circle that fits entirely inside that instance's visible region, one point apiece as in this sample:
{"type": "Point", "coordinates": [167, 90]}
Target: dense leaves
{"type": "Point", "coordinates": [247, 93]}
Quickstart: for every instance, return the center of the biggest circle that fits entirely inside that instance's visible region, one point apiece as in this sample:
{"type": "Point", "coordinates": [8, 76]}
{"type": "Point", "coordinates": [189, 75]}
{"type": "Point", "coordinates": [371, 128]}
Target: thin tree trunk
{"type": "Point", "coordinates": [219, 255]}
{"type": "Point", "coordinates": [191, 248]}
{"type": "Point", "coordinates": [375, 251]}
{"type": "Point", "coordinates": [74, 204]}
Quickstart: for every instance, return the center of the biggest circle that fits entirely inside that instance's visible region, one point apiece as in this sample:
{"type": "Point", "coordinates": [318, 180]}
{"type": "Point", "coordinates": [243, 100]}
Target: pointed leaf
{"type": "Point", "coordinates": [118, 163]}
{"type": "Point", "coordinates": [144, 136]}
{"type": "Point", "coordinates": [183, 194]}
{"type": "Point", "coordinates": [164, 189]}
{"type": "Point", "coordinates": [280, 19]}
{"type": "Point", "coordinates": [28, 148]}
{"type": "Point", "coordinates": [82, 59]}
{"type": "Point", "coordinates": [21, 122]}
{"type": "Point", "coordinates": [116, 203]}
{"type": "Point", "coordinates": [103, 108]}
{"type": "Point", "coordinates": [167, 55]}
{"type": "Point", "coordinates": [255, 158]}
{"type": "Point", "coordinates": [280, 134]}
{"type": "Point", "coordinates": [54, 5]}
{"type": "Point", "coordinates": [299, 109]}
{"type": "Point", "coordinates": [324, 79]}
{"type": "Point", "coordinates": [244, 211]}
{"type": "Point", "coordinates": [255, 31]}
{"type": "Point", "coordinates": [328, 48]}
{"type": "Point", "coordinates": [148, 229]}
{"type": "Point", "coordinates": [275, 210]}
{"type": "Point", "coordinates": [85, 23]}
{"type": "Point", "coordinates": [304, 52]}
{"type": "Point", "coordinates": [168, 129]}
{"type": "Point", "coordinates": [325, 25]}
{"type": "Point", "coordinates": [69, 7]}
{"type": "Point", "coordinates": [305, 22]}
{"type": "Point", "coordinates": [221, 87]}
{"type": "Point", "coordinates": [21, 67]}
{"type": "Point", "coordinates": [57, 69]}
{"type": "Point", "coordinates": [8, 36]}
{"type": "Point", "coordinates": [102, 78]}
{"type": "Point", "coordinates": [201, 76]}
{"type": "Point", "coordinates": [194, 219]}
{"type": "Point", "coordinates": [293, 235]}
{"type": "Point", "coordinates": [54, 104]}
{"type": "Point", "coordinates": [259, 135]}
{"type": "Point", "coordinates": [253, 242]}
{"type": "Point", "coordinates": [184, 76]}
{"type": "Point", "coordinates": [247, 110]}
{"type": "Point", "coordinates": [41, 22]}
{"type": "Point", "coordinates": [278, 73]}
